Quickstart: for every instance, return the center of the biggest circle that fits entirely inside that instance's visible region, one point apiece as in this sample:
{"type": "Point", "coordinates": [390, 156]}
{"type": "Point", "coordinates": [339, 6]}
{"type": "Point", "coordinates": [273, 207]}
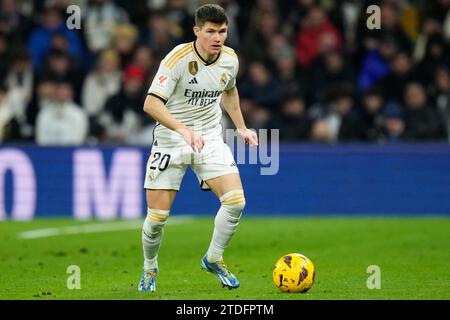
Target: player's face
{"type": "Point", "coordinates": [211, 37]}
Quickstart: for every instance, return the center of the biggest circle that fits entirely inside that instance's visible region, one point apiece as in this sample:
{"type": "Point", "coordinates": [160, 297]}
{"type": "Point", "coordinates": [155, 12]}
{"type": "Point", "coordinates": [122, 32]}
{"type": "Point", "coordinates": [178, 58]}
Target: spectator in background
{"type": "Point", "coordinates": [259, 36]}
{"type": "Point", "coordinates": [41, 37]}
{"type": "Point", "coordinates": [144, 58]}
{"type": "Point", "coordinates": [61, 6]}
{"type": "Point", "coordinates": [376, 63]}
{"type": "Point", "coordinates": [422, 123]}
{"type": "Point", "coordinates": [372, 103]}
{"type": "Point", "coordinates": [13, 24]}
{"type": "Point", "coordinates": [4, 57]}
{"type": "Point", "coordinates": [6, 113]}
{"type": "Point", "coordinates": [441, 94]}
{"type": "Point", "coordinates": [437, 53]}
{"type": "Point", "coordinates": [278, 46]}
{"type": "Point", "coordinates": [327, 71]}
{"type": "Point", "coordinates": [401, 74]}
{"type": "Point", "coordinates": [349, 12]}
{"type": "Point", "coordinates": [102, 18]}
{"type": "Point", "coordinates": [19, 82]}
{"type": "Point", "coordinates": [391, 26]}
{"type": "Point", "coordinates": [99, 86]}
{"type": "Point", "coordinates": [290, 77]}
{"type": "Point", "coordinates": [296, 16]}
{"type": "Point", "coordinates": [157, 35]}
{"type": "Point", "coordinates": [393, 129]}
{"type": "Point", "coordinates": [44, 96]}
{"type": "Point", "coordinates": [21, 76]}
{"type": "Point", "coordinates": [349, 128]}
{"type": "Point", "coordinates": [446, 24]}
{"type": "Point", "coordinates": [233, 11]}
{"type": "Point", "coordinates": [316, 35]}
{"type": "Point", "coordinates": [124, 42]}
{"type": "Point", "coordinates": [256, 117]}
{"type": "Point", "coordinates": [257, 11]}
{"type": "Point", "coordinates": [180, 21]}
{"type": "Point", "coordinates": [438, 9]}
{"type": "Point", "coordinates": [63, 123]}
{"type": "Point", "coordinates": [60, 43]}
{"type": "Point", "coordinates": [265, 6]}
{"type": "Point", "coordinates": [262, 87]}
{"type": "Point", "coordinates": [136, 10]}
{"type": "Point", "coordinates": [128, 122]}
{"type": "Point", "coordinates": [429, 27]}
{"type": "Point", "coordinates": [17, 129]}
{"type": "Point", "coordinates": [58, 66]}
{"type": "Point", "coordinates": [292, 121]}
{"type": "Point", "coordinates": [341, 122]}
{"type": "Point", "coordinates": [46, 93]}
{"type": "Point", "coordinates": [321, 132]}
{"type": "Point", "coordinates": [392, 14]}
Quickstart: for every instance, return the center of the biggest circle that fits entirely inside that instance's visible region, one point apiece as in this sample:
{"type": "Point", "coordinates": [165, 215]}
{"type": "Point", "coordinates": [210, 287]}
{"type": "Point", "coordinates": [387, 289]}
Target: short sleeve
{"type": "Point", "coordinates": [164, 83]}
{"type": "Point", "coordinates": [232, 82]}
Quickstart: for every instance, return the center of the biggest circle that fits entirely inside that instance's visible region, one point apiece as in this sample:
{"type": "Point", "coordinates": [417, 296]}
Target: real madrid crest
{"type": "Point", "coordinates": [193, 67]}
{"type": "Point", "coordinates": [223, 79]}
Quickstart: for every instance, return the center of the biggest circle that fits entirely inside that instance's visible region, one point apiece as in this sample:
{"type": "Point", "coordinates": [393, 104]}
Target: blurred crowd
{"type": "Point", "coordinates": [311, 68]}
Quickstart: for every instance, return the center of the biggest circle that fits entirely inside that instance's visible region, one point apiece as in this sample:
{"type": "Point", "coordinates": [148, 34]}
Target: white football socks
{"type": "Point", "coordinates": [226, 223]}
{"type": "Point", "coordinates": [152, 234]}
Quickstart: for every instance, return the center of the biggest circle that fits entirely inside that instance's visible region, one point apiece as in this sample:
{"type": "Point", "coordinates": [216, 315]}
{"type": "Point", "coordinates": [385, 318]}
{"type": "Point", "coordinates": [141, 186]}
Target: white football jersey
{"type": "Point", "coordinates": [192, 89]}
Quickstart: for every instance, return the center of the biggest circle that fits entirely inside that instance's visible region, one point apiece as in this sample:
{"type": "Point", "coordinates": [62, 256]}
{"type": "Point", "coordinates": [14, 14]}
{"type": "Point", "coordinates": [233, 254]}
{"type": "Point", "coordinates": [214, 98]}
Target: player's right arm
{"type": "Point", "coordinates": [156, 109]}
{"type": "Point", "coordinates": [163, 87]}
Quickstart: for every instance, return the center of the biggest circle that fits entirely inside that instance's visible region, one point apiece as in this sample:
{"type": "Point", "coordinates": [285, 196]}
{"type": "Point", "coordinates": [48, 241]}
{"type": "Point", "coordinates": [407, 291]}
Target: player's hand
{"type": "Point", "coordinates": [249, 136]}
{"type": "Point", "coordinates": [193, 139]}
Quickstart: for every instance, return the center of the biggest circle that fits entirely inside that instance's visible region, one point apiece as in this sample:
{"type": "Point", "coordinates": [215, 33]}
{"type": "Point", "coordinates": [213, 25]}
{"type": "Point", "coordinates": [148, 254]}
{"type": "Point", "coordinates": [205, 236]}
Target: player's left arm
{"type": "Point", "coordinates": [230, 102]}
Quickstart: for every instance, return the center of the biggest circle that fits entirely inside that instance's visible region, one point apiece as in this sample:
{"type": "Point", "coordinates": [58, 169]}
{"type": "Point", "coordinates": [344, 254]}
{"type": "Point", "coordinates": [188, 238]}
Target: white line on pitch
{"type": "Point", "coordinates": [94, 228]}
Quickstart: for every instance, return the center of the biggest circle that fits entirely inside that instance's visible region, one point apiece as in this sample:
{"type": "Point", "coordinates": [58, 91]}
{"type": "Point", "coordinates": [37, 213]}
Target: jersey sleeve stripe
{"type": "Point", "coordinates": [230, 52]}
{"type": "Point", "coordinates": [159, 96]}
{"type": "Point", "coordinates": [176, 54]}
{"type": "Point", "coordinates": [174, 62]}
{"type": "Point", "coordinates": [179, 57]}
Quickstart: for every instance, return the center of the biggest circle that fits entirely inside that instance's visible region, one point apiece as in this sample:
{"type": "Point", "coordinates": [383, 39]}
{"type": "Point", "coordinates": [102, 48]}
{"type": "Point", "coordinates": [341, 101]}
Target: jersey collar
{"type": "Point", "coordinates": [197, 54]}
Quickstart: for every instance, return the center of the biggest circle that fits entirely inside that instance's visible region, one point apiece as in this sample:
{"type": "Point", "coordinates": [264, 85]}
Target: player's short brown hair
{"type": "Point", "coordinates": [210, 13]}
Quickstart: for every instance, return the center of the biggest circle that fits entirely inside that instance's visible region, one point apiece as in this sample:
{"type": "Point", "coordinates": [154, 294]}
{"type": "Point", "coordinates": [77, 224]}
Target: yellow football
{"type": "Point", "coordinates": [293, 273]}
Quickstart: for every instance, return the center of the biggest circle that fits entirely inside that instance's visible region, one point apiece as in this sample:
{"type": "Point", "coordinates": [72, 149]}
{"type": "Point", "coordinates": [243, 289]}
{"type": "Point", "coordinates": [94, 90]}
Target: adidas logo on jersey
{"type": "Point", "coordinates": [193, 81]}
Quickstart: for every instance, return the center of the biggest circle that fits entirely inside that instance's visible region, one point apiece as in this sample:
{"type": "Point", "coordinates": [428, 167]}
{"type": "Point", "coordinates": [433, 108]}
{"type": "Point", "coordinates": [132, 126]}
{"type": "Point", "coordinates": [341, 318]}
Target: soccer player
{"type": "Point", "coordinates": [185, 99]}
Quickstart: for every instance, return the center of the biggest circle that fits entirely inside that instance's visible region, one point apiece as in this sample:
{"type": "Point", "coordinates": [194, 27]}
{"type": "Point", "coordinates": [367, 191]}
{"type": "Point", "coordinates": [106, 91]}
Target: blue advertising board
{"type": "Point", "coordinates": [107, 182]}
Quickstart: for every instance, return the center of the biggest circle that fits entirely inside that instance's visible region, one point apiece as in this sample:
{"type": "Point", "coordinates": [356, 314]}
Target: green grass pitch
{"type": "Point", "coordinates": [412, 253]}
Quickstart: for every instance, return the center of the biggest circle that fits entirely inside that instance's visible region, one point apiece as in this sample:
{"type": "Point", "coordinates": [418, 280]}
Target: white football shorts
{"type": "Point", "coordinates": [166, 166]}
